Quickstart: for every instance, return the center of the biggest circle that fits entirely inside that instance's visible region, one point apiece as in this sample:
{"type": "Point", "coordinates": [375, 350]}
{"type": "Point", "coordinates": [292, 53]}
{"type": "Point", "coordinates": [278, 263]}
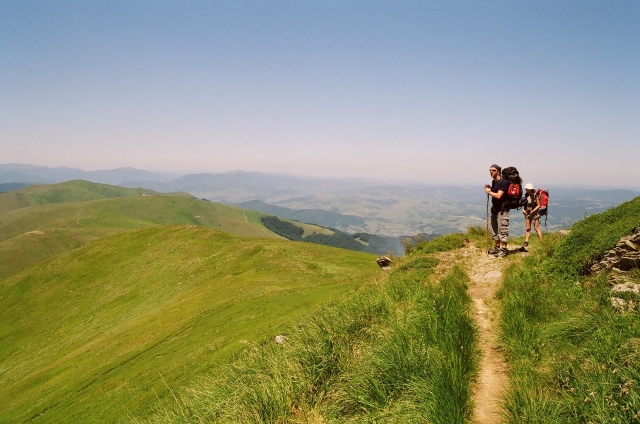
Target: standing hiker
{"type": "Point", "coordinates": [531, 210]}
{"type": "Point", "coordinates": [499, 215]}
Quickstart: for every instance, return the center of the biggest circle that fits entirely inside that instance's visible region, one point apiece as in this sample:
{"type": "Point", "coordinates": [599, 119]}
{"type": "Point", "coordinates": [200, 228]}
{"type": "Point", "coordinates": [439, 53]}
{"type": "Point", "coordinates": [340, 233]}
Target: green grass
{"type": "Point", "coordinates": [572, 357]}
{"type": "Point", "coordinates": [400, 351]}
{"type": "Point", "coordinates": [31, 234]}
{"type": "Point", "coordinates": [70, 191]}
{"type": "Point", "coordinates": [594, 235]}
{"type": "Point", "coordinates": [444, 243]}
{"type": "Point", "coordinates": [101, 333]}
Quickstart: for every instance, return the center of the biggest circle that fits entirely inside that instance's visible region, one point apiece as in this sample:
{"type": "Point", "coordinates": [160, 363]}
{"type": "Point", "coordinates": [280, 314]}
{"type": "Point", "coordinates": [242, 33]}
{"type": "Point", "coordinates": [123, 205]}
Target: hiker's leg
{"type": "Point", "coordinates": [503, 228]}
{"type": "Point", "coordinates": [494, 229]}
{"type": "Point", "coordinates": [527, 231]}
{"type": "Point", "coordinates": [536, 225]}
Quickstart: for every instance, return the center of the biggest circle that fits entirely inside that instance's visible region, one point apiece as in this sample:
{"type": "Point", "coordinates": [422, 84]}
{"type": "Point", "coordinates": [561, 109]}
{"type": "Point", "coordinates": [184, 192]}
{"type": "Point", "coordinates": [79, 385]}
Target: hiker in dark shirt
{"type": "Point", "coordinates": [531, 211]}
{"type": "Point", "coordinates": [499, 216]}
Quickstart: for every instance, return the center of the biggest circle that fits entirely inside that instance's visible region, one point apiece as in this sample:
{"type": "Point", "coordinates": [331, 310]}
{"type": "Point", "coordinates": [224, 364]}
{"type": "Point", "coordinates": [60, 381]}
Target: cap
{"type": "Point", "coordinates": [529, 186]}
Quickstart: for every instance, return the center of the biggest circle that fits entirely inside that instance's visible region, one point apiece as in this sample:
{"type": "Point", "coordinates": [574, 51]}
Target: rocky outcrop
{"type": "Point", "coordinates": [624, 256]}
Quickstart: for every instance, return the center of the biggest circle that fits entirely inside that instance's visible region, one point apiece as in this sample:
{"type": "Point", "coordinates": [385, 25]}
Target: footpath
{"type": "Point", "coordinates": [485, 273]}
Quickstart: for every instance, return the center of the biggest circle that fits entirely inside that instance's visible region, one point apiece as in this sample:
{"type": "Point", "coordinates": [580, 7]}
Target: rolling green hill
{"type": "Point", "coordinates": [101, 332]}
{"type": "Point", "coordinates": [70, 191]}
{"type": "Point", "coordinates": [41, 222]}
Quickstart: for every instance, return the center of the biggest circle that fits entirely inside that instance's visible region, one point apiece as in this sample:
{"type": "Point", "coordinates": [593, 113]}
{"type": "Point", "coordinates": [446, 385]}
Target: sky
{"type": "Point", "coordinates": [424, 91]}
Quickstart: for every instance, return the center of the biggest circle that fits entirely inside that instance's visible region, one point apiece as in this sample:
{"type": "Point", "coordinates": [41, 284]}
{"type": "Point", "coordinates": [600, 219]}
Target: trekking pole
{"type": "Point", "coordinates": [487, 230]}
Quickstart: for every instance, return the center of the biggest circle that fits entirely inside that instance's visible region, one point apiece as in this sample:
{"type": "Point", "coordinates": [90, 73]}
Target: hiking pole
{"type": "Point", "coordinates": [487, 230]}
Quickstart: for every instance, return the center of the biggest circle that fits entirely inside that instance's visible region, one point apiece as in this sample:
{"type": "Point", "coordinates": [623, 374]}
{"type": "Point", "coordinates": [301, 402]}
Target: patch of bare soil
{"type": "Point", "coordinates": [485, 273]}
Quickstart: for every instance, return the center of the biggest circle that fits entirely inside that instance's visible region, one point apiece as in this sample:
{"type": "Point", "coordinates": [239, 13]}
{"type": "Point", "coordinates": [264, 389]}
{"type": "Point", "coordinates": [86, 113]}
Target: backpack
{"type": "Point", "coordinates": [544, 203]}
{"type": "Point", "coordinates": [514, 192]}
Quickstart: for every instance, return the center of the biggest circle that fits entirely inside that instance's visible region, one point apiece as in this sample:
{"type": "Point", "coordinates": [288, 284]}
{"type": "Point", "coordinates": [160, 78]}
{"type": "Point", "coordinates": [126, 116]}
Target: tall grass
{"type": "Point", "coordinates": [592, 236]}
{"type": "Point", "coordinates": [400, 351]}
{"type": "Point", "coordinates": [443, 243]}
{"type": "Point", "coordinates": [138, 313]}
{"type": "Point", "coordinates": [572, 357]}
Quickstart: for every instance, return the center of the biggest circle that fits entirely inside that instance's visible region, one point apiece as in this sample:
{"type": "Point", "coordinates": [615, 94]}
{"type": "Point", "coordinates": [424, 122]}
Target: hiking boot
{"type": "Point", "coordinates": [493, 250]}
{"type": "Point", "coordinates": [501, 253]}
{"type": "Point", "coordinates": [526, 243]}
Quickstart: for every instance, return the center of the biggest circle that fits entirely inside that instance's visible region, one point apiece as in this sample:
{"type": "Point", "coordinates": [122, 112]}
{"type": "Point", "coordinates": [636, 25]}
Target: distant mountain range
{"type": "Point", "coordinates": [20, 173]}
{"type": "Point", "coordinates": [349, 205]}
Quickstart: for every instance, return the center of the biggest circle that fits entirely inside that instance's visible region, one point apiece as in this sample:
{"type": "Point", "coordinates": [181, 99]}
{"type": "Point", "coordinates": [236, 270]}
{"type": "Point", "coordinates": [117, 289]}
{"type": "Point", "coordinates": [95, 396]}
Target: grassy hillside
{"type": "Point", "coordinates": [573, 358]}
{"type": "Point", "coordinates": [101, 332]}
{"type": "Point", "coordinates": [33, 230]}
{"type": "Point", "coordinates": [70, 191]}
{"type": "Point", "coordinates": [402, 350]}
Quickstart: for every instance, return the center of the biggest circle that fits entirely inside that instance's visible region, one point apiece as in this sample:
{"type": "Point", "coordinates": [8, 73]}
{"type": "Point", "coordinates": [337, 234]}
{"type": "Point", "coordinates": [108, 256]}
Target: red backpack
{"type": "Point", "coordinates": [543, 194]}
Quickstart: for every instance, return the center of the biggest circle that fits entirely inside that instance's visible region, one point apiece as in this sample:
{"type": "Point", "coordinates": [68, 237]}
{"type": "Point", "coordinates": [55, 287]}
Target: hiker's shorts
{"type": "Point", "coordinates": [500, 226]}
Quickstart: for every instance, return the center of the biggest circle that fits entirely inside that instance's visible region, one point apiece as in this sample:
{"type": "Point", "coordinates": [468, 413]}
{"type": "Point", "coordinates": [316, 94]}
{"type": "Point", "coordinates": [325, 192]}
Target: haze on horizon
{"type": "Point", "coordinates": [431, 91]}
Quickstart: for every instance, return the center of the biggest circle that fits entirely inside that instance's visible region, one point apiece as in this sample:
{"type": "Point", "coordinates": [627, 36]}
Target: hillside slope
{"type": "Point", "coordinates": [41, 222]}
{"type": "Point", "coordinates": [574, 354]}
{"type": "Point", "coordinates": [114, 323]}
{"type": "Point", "coordinates": [405, 351]}
{"type": "Point", "coordinates": [70, 191]}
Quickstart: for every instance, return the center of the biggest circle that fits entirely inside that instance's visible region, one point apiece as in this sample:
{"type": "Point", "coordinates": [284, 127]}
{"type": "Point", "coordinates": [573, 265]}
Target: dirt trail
{"type": "Point", "coordinates": [485, 273]}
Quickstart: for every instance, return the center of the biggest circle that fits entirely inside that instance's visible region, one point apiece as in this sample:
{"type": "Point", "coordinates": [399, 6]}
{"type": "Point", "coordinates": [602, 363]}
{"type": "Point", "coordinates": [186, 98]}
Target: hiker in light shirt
{"type": "Point", "coordinates": [531, 210]}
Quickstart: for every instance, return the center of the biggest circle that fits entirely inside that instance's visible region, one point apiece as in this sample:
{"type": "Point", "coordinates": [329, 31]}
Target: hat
{"type": "Point", "coordinates": [529, 186]}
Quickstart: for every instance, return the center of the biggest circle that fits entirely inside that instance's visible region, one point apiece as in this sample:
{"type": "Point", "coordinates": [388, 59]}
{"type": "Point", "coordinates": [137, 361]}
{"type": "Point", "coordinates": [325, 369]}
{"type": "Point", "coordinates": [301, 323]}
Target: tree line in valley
{"type": "Point", "coordinates": [363, 242]}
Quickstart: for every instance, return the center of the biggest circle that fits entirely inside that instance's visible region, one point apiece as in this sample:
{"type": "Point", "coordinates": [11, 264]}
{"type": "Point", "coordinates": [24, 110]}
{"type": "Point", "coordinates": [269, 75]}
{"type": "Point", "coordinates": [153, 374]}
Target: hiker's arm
{"type": "Point", "coordinates": [492, 194]}
{"type": "Point", "coordinates": [537, 205]}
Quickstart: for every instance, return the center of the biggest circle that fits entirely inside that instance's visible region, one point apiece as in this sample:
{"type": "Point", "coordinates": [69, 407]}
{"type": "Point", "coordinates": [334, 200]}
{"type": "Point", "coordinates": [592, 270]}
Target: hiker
{"type": "Point", "coordinates": [531, 210]}
{"type": "Point", "coordinates": [499, 215]}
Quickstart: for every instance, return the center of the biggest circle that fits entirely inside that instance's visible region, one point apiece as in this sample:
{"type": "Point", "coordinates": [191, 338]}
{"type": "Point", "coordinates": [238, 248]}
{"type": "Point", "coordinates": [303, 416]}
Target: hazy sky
{"type": "Point", "coordinates": [431, 91]}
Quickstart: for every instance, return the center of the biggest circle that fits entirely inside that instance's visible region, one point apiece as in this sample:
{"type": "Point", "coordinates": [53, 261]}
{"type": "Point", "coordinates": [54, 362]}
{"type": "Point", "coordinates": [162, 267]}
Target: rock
{"type": "Point", "coordinates": [627, 245]}
{"type": "Point", "coordinates": [629, 262]}
{"type": "Point", "coordinates": [280, 339]}
{"type": "Point", "coordinates": [384, 262]}
{"type": "Point", "coordinates": [624, 295]}
{"type": "Point", "coordinates": [624, 256]}
{"type": "Point", "coordinates": [626, 287]}
{"type": "Point", "coordinates": [622, 305]}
